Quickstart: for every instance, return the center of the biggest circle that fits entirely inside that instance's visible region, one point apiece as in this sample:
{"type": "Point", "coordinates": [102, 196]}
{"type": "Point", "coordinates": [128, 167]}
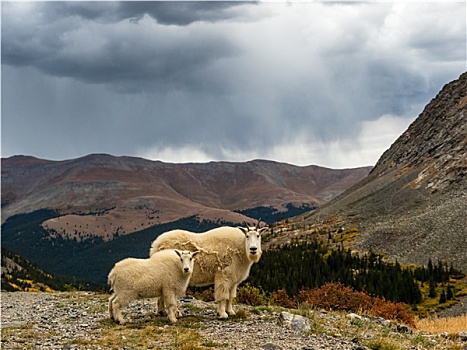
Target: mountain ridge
{"type": "Point", "coordinates": [413, 204]}
{"type": "Point", "coordinates": [100, 194]}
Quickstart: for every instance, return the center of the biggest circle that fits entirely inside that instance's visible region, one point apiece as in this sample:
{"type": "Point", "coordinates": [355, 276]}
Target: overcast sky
{"type": "Point", "coordinates": [331, 84]}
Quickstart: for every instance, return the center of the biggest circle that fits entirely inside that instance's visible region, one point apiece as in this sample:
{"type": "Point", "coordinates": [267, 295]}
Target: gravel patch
{"type": "Point", "coordinates": [79, 320]}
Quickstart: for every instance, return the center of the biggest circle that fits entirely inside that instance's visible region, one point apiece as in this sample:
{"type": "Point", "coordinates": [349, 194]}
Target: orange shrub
{"type": "Point", "coordinates": [281, 298]}
{"type": "Point", "coordinates": [336, 296]}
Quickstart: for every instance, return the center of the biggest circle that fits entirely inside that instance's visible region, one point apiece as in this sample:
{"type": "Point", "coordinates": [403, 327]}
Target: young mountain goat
{"type": "Point", "coordinates": [165, 274]}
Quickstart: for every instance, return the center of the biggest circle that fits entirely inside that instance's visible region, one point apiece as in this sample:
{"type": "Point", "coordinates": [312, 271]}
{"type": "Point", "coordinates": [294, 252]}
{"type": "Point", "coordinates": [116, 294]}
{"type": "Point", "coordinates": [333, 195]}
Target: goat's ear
{"type": "Point", "coordinates": [243, 229]}
{"type": "Point", "coordinates": [262, 229]}
{"type": "Point", "coordinates": [179, 253]}
{"type": "Point", "coordinates": [195, 253]}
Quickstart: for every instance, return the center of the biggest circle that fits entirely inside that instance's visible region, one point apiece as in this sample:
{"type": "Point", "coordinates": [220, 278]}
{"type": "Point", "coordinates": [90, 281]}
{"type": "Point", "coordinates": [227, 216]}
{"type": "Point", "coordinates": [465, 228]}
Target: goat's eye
{"type": "Point", "coordinates": [257, 236]}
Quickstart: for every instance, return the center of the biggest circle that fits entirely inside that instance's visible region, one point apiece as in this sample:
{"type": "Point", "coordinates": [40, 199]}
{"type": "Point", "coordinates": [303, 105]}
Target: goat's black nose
{"type": "Point", "coordinates": [186, 269]}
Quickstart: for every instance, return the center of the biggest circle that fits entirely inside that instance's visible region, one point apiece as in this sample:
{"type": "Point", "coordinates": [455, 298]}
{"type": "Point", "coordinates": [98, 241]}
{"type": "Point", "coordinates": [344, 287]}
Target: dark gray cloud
{"type": "Point", "coordinates": [301, 82]}
{"type": "Point", "coordinates": [89, 42]}
{"type": "Point", "coordinates": [180, 13]}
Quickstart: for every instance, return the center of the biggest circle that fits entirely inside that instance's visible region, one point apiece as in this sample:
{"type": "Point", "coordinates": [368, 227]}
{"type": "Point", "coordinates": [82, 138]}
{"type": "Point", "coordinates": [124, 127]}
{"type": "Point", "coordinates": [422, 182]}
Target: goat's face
{"type": "Point", "coordinates": [186, 259]}
{"type": "Point", "coordinates": [253, 242]}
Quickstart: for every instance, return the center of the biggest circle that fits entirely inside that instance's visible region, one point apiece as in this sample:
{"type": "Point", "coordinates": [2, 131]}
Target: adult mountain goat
{"type": "Point", "coordinates": [165, 275]}
{"type": "Point", "coordinates": [226, 255]}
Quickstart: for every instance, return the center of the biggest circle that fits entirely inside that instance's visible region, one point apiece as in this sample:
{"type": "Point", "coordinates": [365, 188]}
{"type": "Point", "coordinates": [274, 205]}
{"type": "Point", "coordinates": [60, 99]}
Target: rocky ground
{"type": "Point", "coordinates": [456, 310]}
{"type": "Point", "coordinates": [79, 320]}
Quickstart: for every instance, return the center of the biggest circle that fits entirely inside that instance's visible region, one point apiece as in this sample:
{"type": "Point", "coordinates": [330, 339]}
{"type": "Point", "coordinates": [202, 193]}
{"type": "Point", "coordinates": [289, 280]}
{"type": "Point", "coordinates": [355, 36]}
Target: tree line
{"type": "Point", "coordinates": [311, 264]}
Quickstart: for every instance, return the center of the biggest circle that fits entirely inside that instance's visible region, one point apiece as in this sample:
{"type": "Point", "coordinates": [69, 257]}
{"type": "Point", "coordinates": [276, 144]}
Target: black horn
{"type": "Point", "coordinates": [257, 225]}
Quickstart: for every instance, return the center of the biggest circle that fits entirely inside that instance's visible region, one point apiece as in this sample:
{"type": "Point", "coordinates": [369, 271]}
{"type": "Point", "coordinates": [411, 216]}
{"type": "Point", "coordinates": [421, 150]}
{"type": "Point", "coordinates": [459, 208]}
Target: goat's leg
{"type": "Point", "coordinates": [171, 306]}
{"type": "Point", "coordinates": [221, 294]}
{"type": "Point", "coordinates": [232, 296]}
{"type": "Point", "coordinates": [117, 304]}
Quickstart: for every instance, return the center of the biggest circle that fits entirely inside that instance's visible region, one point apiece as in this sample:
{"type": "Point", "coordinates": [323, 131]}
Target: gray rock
{"type": "Point", "coordinates": [270, 346]}
{"type": "Point", "coordinates": [463, 335]}
{"type": "Point", "coordinates": [402, 328]}
{"type": "Point", "coordinates": [295, 322]}
{"type": "Point", "coordinates": [354, 316]}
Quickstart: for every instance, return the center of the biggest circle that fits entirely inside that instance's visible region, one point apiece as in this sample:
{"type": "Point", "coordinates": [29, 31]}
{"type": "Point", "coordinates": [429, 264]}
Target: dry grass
{"type": "Point", "coordinates": [21, 337]}
{"type": "Point", "coordinates": [151, 333]}
{"type": "Point", "coordinates": [444, 324]}
{"type": "Point", "coordinates": [168, 337]}
{"type": "Point", "coordinates": [374, 335]}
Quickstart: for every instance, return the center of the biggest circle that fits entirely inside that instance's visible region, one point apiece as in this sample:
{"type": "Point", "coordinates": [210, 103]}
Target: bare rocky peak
{"type": "Point", "coordinates": [436, 142]}
{"type": "Point", "coordinates": [413, 204]}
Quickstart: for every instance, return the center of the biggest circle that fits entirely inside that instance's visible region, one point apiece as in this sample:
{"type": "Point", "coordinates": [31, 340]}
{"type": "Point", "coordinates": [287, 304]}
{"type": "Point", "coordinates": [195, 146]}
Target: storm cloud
{"type": "Point", "coordinates": [331, 84]}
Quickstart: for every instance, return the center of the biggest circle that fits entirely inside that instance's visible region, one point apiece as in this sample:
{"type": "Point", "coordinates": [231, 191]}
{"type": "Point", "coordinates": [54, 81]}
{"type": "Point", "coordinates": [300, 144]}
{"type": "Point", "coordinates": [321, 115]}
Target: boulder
{"type": "Point", "coordinates": [295, 322]}
{"type": "Point", "coordinates": [463, 335]}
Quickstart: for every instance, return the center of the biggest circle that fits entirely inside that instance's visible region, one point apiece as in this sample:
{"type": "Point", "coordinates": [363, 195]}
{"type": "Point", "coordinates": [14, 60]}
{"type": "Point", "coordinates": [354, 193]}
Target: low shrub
{"type": "Point", "coordinates": [206, 294]}
{"type": "Point", "coordinates": [281, 298]}
{"type": "Point", "coordinates": [336, 296]}
{"type": "Point", "coordinates": [250, 295]}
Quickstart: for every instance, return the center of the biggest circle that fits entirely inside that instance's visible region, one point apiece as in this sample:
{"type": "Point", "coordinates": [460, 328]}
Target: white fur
{"type": "Point", "coordinates": [226, 255]}
{"type": "Point", "coordinates": [165, 274]}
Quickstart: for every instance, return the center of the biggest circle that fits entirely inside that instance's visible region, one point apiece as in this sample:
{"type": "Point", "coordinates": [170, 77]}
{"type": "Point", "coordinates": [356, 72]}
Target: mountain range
{"type": "Point", "coordinates": [99, 192]}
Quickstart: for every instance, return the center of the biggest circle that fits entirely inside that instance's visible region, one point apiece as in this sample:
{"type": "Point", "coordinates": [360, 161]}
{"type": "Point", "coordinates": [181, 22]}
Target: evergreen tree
{"type": "Point", "coordinates": [432, 290]}
{"type": "Point", "coordinates": [442, 298]}
{"type": "Point", "coordinates": [430, 268]}
{"type": "Point", "coordinates": [449, 293]}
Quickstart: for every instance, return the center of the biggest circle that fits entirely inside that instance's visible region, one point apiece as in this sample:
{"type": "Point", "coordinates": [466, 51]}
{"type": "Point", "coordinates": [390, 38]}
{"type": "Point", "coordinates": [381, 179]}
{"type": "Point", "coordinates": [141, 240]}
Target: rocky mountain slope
{"type": "Point", "coordinates": [21, 274]}
{"type": "Point", "coordinates": [413, 204]}
{"type": "Point", "coordinates": [108, 196]}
